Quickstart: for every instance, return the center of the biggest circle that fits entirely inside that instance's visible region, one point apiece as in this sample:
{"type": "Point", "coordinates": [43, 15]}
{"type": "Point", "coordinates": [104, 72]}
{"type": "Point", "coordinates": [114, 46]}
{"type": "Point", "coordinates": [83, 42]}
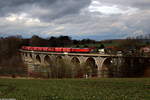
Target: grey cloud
{"type": "Point", "coordinates": [141, 4]}
{"type": "Point", "coordinates": [54, 8]}
{"type": "Point", "coordinates": [71, 17]}
{"type": "Point", "coordinates": [64, 7]}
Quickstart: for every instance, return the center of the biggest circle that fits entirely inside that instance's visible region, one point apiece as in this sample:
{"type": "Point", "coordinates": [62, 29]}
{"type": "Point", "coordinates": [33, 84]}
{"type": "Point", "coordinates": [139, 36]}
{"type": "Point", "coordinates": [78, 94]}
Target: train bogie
{"type": "Point", "coordinates": [50, 49]}
{"type": "Point", "coordinates": [40, 48]}
{"type": "Point", "coordinates": [66, 49]}
{"type": "Point", "coordinates": [29, 48]}
{"type": "Point", "coordinates": [44, 48]}
{"type": "Point", "coordinates": [34, 48]}
{"type": "Point", "coordinates": [58, 49]}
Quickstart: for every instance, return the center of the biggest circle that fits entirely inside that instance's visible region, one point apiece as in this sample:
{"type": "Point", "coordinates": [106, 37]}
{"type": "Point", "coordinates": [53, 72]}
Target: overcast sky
{"type": "Point", "coordinates": [95, 19]}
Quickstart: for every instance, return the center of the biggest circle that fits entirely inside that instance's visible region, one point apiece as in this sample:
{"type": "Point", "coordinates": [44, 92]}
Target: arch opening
{"type": "Point", "coordinates": [59, 58]}
{"type": "Point", "coordinates": [91, 67]}
{"type": "Point", "coordinates": [75, 61]}
{"type": "Point", "coordinates": [47, 59]}
{"type": "Point", "coordinates": [26, 55]}
{"type": "Point", "coordinates": [30, 55]}
{"type": "Point", "coordinates": [38, 59]}
{"type": "Point", "coordinates": [106, 70]}
{"type": "Point", "coordinates": [77, 69]}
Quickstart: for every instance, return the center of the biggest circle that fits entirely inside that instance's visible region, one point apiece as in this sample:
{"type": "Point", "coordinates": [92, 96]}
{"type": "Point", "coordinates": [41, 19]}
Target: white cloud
{"type": "Point", "coordinates": [59, 28]}
{"type": "Point", "coordinates": [97, 6]}
{"type": "Point", "coordinates": [25, 19]}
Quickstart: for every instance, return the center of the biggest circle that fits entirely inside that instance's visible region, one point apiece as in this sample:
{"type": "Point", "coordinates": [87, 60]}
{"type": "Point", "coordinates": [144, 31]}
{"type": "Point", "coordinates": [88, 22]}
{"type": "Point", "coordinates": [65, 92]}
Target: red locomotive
{"type": "Point", "coordinates": [58, 49]}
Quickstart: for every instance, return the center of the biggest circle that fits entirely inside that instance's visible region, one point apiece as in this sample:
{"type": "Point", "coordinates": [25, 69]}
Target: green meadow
{"type": "Point", "coordinates": [76, 89]}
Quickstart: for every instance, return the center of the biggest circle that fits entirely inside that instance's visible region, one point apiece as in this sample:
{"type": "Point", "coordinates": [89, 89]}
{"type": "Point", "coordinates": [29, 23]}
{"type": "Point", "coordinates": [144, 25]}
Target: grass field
{"type": "Point", "coordinates": [76, 89]}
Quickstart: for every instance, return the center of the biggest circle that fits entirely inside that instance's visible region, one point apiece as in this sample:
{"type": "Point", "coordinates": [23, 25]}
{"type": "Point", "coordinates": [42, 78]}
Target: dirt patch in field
{"type": "Point", "coordinates": [147, 72]}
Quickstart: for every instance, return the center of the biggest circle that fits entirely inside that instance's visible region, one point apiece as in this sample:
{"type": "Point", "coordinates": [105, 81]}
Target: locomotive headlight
{"type": "Point", "coordinates": [65, 53]}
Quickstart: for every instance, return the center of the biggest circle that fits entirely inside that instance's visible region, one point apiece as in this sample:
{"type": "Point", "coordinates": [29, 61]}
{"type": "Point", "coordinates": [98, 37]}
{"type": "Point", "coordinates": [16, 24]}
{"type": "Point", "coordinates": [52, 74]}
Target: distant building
{"type": "Point", "coordinates": [145, 49]}
{"type": "Point", "coordinates": [113, 50]}
{"type": "Point", "coordinates": [101, 51]}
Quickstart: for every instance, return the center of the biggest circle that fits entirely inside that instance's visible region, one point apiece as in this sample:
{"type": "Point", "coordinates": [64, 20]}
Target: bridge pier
{"type": "Point", "coordinates": [99, 62]}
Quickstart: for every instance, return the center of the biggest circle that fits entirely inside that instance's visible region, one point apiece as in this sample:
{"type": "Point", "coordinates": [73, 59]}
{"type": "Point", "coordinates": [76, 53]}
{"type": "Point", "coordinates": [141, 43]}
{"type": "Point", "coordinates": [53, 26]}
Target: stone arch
{"type": "Point", "coordinates": [47, 59]}
{"type": "Point", "coordinates": [75, 60]}
{"type": "Point", "coordinates": [92, 66]}
{"type": "Point", "coordinates": [59, 58]}
{"type": "Point", "coordinates": [26, 54]}
{"type": "Point", "coordinates": [106, 67]}
{"type": "Point", "coordinates": [23, 54]}
{"type": "Point", "coordinates": [30, 55]}
{"type": "Point", "coordinates": [82, 59]}
{"type": "Point", "coordinates": [38, 58]}
{"type": "Point", "coordinates": [77, 67]}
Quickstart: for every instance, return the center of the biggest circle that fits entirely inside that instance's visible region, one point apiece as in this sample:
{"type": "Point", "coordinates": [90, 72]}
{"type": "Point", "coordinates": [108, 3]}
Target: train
{"type": "Point", "coordinates": [58, 49]}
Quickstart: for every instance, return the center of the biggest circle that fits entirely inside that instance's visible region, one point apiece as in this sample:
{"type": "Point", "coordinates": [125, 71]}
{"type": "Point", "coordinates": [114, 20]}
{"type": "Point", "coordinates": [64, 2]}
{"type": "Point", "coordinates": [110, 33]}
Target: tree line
{"type": "Point", "coordinates": [61, 41]}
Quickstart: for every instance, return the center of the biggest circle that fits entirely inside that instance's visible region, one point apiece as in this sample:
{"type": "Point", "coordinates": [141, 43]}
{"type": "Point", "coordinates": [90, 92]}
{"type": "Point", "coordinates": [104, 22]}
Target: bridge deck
{"type": "Point", "coordinates": [82, 54]}
{"type": "Point", "coordinates": [70, 54]}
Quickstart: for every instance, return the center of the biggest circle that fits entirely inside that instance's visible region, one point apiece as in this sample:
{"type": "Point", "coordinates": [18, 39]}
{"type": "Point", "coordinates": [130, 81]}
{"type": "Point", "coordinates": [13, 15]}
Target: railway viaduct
{"type": "Point", "coordinates": [100, 64]}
